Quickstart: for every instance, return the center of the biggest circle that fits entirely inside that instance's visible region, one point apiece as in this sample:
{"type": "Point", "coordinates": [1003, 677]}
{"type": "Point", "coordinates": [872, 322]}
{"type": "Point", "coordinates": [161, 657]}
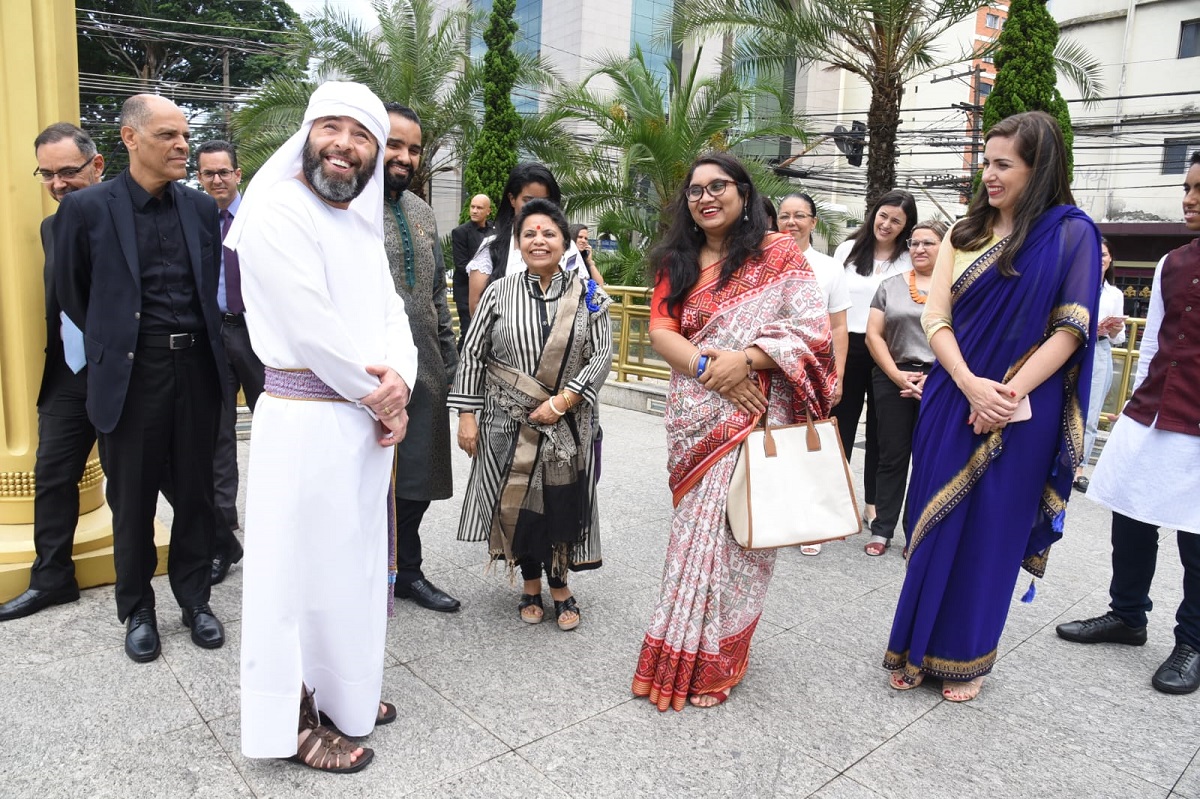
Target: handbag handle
{"type": "Point", "coordinates": [811, 439]}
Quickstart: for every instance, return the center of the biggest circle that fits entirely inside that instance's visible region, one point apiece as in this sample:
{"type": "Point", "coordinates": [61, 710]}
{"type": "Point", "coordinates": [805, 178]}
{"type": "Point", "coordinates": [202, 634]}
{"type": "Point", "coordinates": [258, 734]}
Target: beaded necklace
{"type": "Point", "coordinates": [917, 296]}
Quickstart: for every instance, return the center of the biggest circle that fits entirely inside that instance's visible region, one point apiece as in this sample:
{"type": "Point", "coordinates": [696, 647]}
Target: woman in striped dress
{"type": "Point", "coordinates": [538, 350]}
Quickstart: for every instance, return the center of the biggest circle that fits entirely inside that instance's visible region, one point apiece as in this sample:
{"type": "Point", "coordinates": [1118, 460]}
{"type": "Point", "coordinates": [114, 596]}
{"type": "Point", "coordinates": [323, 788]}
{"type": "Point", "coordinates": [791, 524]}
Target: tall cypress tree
{"type": "Point", "coordinates": [495, 151]}
{"type": "Point", "coordinates": [1026, 78]}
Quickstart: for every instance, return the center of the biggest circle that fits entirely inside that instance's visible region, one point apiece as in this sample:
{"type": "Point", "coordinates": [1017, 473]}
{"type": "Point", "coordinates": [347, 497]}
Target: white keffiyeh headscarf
{"type": "Point", "coordinates": [331, 99]}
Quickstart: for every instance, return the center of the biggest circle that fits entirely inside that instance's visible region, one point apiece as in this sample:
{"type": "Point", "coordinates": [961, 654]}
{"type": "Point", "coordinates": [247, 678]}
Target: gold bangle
{"type": "Point", "coordinates": [693, 362]}
{"type": "Point", "coordinates": [554, 408]}
{"type": "Point", "coordinates": [954, 371]}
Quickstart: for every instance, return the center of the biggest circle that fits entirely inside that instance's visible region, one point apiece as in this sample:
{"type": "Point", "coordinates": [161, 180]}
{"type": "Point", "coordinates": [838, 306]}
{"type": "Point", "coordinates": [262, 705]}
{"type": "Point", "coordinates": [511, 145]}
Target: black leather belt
{"type": "Point", "coordinates": [233, 319]}
{"type": "Point", "coordinates": [172, 341]}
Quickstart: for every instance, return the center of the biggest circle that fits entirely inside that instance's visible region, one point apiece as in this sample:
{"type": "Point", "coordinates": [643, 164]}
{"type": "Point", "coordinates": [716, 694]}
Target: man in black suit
{"type": "Point", "coordinates": [465, 240]}
{"type": "Point", "coordinates": [67, 161]}
{"type": "Point", "coordinates": [217, 166]}
{"type": "Point", "coordinates": [137, 260]}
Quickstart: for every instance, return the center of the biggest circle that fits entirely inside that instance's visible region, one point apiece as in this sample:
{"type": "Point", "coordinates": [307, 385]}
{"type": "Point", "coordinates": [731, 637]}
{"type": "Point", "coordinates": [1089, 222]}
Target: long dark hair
{"type": "Point", "coordinates": [1110, 274]}
{"type": "Point", "coordinates": [545, 208]}
{"type": "Point", "coordinates": [862, 254]}
{"type": "Point", "coordinates": [523, 175]}
{"type": "Point", "coordinates": [1039, 143]}
{"type": "Point", "coordinates": [675, 257]}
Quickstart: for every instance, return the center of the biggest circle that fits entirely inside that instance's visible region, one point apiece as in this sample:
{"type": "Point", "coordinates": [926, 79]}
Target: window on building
{"type": "Point", "coordinates": [1176, 155]}
{"type": "Point", "coordinates": [984, 89]}
{"type": "Point", "coordinates": [989, 59]}
{"type": "Point", "coordinates": [992, 21]}
{"type": "Point", "coordinates": [1189, 39]}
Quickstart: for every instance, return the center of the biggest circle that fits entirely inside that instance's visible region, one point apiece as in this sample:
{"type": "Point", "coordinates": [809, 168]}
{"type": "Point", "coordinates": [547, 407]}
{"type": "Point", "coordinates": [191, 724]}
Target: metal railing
{"type": "Point", "coordinates": [635, 360]}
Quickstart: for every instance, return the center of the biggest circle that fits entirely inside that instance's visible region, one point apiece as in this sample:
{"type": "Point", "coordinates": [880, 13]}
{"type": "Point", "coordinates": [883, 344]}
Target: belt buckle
{"type": "Point", "coordinates": [180, 341]}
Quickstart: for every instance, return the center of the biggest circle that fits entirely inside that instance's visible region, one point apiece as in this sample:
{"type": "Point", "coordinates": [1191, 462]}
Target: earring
{"type": "Point", "coordinates": [745, 215]}
{"type": "Point", "coordinates": [695, 228]}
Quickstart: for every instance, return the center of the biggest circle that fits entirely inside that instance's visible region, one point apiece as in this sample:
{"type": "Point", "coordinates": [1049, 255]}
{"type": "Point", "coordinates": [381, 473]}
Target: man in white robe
{"type": "Point", "coordinates": [1146, 474]}
{"type": "Point", "coordinates": [326, 321]}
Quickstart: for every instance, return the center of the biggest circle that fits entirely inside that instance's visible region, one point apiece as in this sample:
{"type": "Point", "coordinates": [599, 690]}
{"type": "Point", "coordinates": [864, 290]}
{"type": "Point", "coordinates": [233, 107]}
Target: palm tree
{"type": "Point", "coordinates": [646, 136]}
{"type": "Point", "coordinates": [418, 55]}
{"type": "Point", "coordinates": [886, 43]}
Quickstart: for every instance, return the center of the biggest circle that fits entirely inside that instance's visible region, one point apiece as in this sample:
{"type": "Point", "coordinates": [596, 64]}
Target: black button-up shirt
{"type": "Point", "coordinates": [170, 301]}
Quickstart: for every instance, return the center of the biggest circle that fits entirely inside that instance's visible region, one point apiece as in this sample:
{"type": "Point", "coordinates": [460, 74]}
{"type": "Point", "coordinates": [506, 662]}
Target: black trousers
{"type": "Point", "coordinates": [1134, 556]}
{"type": "Point", "coordinates": [461, 291]}
{"type": "Point", "coordinates": [245, 373]}
{"type": "Point", "coordinates": [856, 389]}
{"type": "Point", "coordinates": [531, 569]}
{"type": "Point", "coordinates": [168, 427]}
{"type": "Point", "coordinates": [897, 417]}
{"type": "Point", "coordinates": [409, 513]}
{"type": "Point", "coordinates": [65, 438]}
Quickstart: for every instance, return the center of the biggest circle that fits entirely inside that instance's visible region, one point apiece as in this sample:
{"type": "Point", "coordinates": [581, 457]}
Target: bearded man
{"type": "Point", "coordinates": [334, 339]}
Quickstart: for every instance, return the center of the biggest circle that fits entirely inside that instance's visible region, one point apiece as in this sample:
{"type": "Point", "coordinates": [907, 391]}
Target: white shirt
{"type": "Point", "coordinates": [863, 287]}
{"type": "Point", "coordinates": [832, 279]}
{"type": "Point", "coordinates": [482, 260]}
{"type": "Point", "coordinates": [1112, 303]}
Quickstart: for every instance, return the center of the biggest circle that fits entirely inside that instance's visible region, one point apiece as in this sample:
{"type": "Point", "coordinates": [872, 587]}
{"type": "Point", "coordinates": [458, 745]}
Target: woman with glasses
{"type": "Point", "coordinates": [875, 251]}
{"type": "Point", "coordinates": [903, 358]}
{"type": "Point", "coordinates": [1110, 332]}
{"type": "Point", "coordinates": [1011, 318]}
{"type": "Point", "coordinates": [741, 321]}
{"type": "Point", "coordinates": [798, 218]}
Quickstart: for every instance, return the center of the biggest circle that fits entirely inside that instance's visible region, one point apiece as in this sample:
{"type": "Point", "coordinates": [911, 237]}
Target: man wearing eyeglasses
{"type": "Point", "coordinates": [66, 161]}
{"type": "Point", "coordinates": [216, 162]}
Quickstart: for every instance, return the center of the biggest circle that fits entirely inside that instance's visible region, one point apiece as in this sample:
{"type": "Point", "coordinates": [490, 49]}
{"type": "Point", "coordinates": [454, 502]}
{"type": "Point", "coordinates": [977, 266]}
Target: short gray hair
{"type": "Point", "coordinates": [135, 112]}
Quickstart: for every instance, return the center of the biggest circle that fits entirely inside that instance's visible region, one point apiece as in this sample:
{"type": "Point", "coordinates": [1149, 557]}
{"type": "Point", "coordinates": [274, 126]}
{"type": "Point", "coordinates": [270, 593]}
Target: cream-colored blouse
{"type": "Point", "coordinates": [951, 264]}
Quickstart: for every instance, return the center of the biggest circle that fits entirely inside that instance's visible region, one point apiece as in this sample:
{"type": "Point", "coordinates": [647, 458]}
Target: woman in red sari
{"type": "Point", "coordinates": [738, 315]}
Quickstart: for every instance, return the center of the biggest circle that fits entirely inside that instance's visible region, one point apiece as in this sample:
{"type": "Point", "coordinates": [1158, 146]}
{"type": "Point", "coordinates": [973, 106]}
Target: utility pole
{"type": "Point", "coordinates": [975, 111]}
{"type": "Point", "coordinates": [225, 82]}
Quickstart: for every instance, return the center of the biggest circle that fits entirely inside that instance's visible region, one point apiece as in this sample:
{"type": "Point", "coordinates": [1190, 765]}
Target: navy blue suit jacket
{"type": "Point", "coordinates": [99, 283]}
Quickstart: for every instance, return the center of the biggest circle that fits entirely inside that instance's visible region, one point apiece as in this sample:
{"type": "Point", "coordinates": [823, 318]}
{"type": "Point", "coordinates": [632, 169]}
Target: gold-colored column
{"type": "Point", "coordinates": [39, 81]}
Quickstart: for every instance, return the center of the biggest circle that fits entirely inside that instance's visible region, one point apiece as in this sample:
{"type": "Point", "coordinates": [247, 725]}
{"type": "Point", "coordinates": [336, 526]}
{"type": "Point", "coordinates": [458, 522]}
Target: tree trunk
{"type": "Point", "coordinates": [882, 122]}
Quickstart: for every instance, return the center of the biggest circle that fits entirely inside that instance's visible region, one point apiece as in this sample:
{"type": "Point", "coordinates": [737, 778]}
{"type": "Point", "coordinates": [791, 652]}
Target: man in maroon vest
{"type": "Point", "coordinates": [1147, 472]}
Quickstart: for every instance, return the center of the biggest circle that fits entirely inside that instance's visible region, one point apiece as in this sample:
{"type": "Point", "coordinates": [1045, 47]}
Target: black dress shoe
{"type": "Point", "coordinates": [141, 636]}
{"type": "Point", "coordinates": [427, 595]}
{"type": "Point", "coordinates": [207, 631]}
{"type": "Point", "coordinates": [222, 563]}
{"type": "Point", "coordinates": [1106, 629]}
{"type": "Point", "coordinates": [35, 599]}
{"type": "Point", "coordinates": [1180, 674]}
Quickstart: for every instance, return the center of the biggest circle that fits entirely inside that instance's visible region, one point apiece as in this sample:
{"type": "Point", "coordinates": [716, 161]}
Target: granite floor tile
{"type": "Point", "coordinates": [506, 777]}
{"type": "Point", "coordinates": [77, 628]}
{"type": "Point", "coordinates": [1079, 708]}
{"type": "Point", "coordinates": [958, 751]}
{"type": "Point", "coordinates": [181, 764]}
{"type": "Point", "coordinates": [842, 787]}
{"type": "Point", "coordinates": [1189, 782]}
{"type": "Point", "coordinates": [430, 741]}
{"type": "Point", "coordinates": [210, 677]}
{"type": "Point", "coordinates": [634, 750]}
{"type": "Point", "coordinates": [835, 708]}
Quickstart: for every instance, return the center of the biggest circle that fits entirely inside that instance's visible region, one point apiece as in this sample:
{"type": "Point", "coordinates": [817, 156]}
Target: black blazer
{"type": "Point", "coordinates": [56, 375]}
{"type": "Point", "coordinates": [465, 240]}
{"type": "Point", "coordinates": [99, 283]}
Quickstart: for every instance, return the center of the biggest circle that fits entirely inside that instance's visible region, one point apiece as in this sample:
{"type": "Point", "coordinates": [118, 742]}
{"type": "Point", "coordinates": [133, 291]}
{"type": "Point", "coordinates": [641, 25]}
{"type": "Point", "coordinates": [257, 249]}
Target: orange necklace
{"type": "Point", "coordinates": [917, 296]}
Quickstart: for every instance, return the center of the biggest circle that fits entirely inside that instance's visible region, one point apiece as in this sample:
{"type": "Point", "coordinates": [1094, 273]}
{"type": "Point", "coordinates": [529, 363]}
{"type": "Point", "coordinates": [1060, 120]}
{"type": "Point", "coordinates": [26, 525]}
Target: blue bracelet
{"type": "Point", "coordinates": [701, 365]}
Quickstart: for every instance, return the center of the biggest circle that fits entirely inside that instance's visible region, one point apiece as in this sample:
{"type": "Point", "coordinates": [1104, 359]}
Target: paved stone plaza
{"type": "Point", "coordinates": [491, 707]}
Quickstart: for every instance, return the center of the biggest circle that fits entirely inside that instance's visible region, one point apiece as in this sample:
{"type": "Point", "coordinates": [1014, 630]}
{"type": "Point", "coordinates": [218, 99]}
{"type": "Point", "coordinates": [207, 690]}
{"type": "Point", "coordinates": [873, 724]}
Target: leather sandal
{"type": "Point", "coordinates": [877, 545]}
{"type": "Point", "coordinates": [334, 748]}
{"type": "Point", "coordinates": [568, 605]}
{"type": "Point", "coordinates": [386, 716]}
{"type": "Point", "coordinates": [531, 601]}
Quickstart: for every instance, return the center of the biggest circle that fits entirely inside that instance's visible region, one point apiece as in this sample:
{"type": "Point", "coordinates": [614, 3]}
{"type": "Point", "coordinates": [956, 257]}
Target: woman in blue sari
{"type": "Point", "coordinates": [1011, 319]}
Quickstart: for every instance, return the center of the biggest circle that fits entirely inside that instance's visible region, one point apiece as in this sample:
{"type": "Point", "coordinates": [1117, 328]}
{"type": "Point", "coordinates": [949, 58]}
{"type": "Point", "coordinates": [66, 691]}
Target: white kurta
{"type": "Point", "coordinates": [1146, 473]}
{"type": "Point", "coordinates": [314, 600]}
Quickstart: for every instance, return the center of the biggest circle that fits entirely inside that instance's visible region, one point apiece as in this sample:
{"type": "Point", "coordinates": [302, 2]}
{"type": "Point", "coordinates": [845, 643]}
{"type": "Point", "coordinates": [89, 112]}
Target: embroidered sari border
{"type": "Point", "coordinates": [940, 668]}
{"type": "Point", "coordinates": [953, 492]}
{"type": "Point", "coordinates": [976, 270]}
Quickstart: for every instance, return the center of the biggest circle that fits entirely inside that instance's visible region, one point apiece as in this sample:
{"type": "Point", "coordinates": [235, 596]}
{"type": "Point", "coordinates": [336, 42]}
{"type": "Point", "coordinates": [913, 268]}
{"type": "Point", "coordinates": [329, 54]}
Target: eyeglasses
{"type": "Point", "coordinates": [210, 174]}
{"type": "Point", "coordinates": [66, 173]}
{"type": "Point", "coordinates": [797, 216]}
{"type": "Point", "coordinates": [919, 244]}
{"type": "Point", "coordinates": [715, 189]}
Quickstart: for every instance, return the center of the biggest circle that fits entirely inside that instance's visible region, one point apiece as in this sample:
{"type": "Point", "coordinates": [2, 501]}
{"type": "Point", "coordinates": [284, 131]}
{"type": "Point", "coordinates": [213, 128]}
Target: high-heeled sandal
{"type": "Point", "coordinates": [568, 605]}
{"type": "Point", "coordinates": [531, 601]}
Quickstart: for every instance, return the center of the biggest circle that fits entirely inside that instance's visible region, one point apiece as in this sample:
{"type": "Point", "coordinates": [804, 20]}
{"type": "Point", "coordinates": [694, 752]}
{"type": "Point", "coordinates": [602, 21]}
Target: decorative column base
{"type": "Point", "coordinates": [93, 552]}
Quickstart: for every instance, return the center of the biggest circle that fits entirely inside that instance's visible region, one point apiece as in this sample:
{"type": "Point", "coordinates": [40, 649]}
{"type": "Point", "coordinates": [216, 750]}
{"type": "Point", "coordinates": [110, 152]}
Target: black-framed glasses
{"type": "Point", "coordinates": [918, 244]}
{"type": "Point", "coordinates": [799, 217]}
{"type": "Point", "coordinates": [66, 173]}
{"type": "Point", "coordinates": [715, 189]}
{"type": "Point", "coordinates": [213, 174]}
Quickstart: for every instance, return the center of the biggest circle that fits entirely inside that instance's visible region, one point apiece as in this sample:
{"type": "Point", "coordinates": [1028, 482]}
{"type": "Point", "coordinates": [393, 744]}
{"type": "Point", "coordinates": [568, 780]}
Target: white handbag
{"type": "Point", "coordinates": [792, 486]}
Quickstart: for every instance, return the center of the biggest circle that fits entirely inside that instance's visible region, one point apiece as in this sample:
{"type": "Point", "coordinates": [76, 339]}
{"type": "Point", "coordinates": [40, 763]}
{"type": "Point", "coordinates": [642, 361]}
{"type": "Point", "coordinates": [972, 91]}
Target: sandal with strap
{"type": "Point", "coordinates": [568, 605]}
{"type": "Point", "coordinates": [385, 716]}
{"type": "Point", "coordinates": [333, 747]}
{"type": "Point", "coordinates": [720, 696]}
{"type": "Point", "coordinates": [531, 601]}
